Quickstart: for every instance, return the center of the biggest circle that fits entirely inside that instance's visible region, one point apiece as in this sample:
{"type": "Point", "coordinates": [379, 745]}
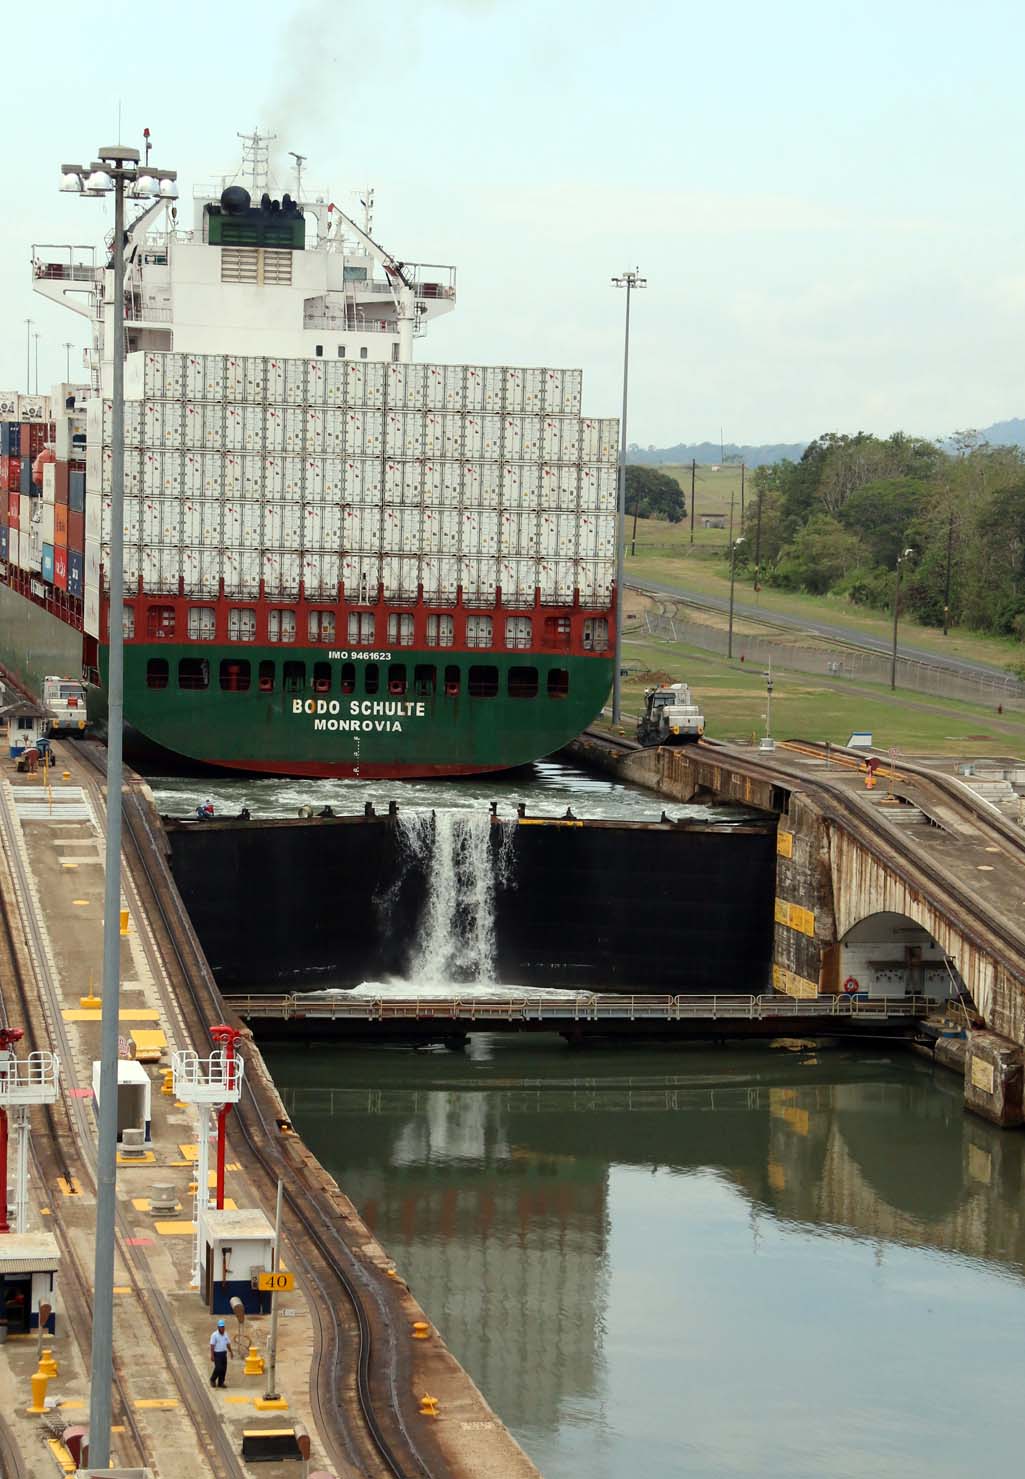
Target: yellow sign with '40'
{"type": "Point", "coordinates": [279, 1283]}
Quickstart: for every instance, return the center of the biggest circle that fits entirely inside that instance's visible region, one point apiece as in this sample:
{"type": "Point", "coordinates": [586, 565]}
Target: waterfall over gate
{"type": "Point", "coordinates": [456, 854]}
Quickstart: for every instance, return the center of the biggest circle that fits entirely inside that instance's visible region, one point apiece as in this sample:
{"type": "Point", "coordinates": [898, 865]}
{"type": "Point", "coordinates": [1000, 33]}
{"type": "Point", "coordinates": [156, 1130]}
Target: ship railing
{"type": "Point", "coordinates": [62, 272]}
{"type": "Point", "coordinates": [582, 1007]}
{"type": "Point", "coordinates": [344, 325]}
{"type": "Point", "coordinates": [143, 313]}
{"type": "Point", "coordinates": [31, 1080]}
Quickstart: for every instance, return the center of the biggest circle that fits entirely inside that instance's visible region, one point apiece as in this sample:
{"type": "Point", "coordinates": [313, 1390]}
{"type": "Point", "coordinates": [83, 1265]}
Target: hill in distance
{"type": "Point", "coordinates": [1001, 434]}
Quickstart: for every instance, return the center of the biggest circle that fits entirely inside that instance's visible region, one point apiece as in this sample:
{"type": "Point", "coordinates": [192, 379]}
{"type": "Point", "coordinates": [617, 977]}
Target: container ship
{"type": "Point", "coordinates": [338, 561]}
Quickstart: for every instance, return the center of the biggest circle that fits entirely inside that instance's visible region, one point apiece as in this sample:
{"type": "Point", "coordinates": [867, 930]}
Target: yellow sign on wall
{"type": "Point", "coordinates": [795, 917]}
{"type": "Point", "coordinates": [982, 1074]}
{"type": "Point", "coordinates": [276, 1283]}
{"type": "Point", "coordinates": [785, 844]}
{"type": "Point", "coordinates": [792, 984]}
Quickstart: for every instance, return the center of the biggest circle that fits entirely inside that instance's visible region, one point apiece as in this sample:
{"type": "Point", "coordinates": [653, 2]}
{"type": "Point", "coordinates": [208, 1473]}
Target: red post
{"type": "Point", "coordinates": [8, 1037]}
{"type": "Point", "coordinates": [226, 1037]}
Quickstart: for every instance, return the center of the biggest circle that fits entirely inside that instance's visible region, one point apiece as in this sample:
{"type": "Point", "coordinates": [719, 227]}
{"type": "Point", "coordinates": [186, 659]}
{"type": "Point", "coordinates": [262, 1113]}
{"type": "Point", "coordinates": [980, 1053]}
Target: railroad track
{"type": "Point", "coordinates": [362, 1377]}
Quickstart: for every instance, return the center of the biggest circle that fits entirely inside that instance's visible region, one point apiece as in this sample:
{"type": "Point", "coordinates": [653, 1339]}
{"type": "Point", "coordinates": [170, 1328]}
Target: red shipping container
{"type": "Point", "coordinates": [25, 447]}
{"type": "Point", "coordinates": [60, 494]}
{"type": "Point", "coordinates": [14, 474]}
{"type": "Point", "coordinates": [76, 531]}
{"type": "Point", "coordinates": [37, 437]}
{"type": "Point", "coordinates": [60, 568]}
{"type": "Point", "coordinates": [60, 526]}
{"type": "Point", "coordinates": [14, 510]}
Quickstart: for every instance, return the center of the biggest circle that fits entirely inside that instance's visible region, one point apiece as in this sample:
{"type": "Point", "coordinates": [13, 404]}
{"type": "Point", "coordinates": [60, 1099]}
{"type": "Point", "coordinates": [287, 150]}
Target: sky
{"type": "Point", "coordinates": [826, 200]}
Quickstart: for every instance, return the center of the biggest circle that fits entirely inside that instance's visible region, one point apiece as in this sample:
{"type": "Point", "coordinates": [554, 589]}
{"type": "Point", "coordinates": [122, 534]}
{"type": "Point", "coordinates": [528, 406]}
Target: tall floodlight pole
{"type": "Point", "coordinates": [734, 546]}
{"type": "Point", "coordinates": [28, 355]}
{"type": "Point", "coordinates": [904, 555]}
{"type": "Point", "coordinates": [68, 347]}
{"type": "Point", "coordinates": [35, 385]}
{"type": "Point", "coordinates": [628, 280]}
{"type": "Point", "coordinates": [115, 172]}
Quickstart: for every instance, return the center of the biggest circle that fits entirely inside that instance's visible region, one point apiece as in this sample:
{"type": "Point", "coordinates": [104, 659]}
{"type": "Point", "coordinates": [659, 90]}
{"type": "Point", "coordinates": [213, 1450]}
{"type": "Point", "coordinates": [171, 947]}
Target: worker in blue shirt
{"type": "Point", "coordinates": [220, 1350]}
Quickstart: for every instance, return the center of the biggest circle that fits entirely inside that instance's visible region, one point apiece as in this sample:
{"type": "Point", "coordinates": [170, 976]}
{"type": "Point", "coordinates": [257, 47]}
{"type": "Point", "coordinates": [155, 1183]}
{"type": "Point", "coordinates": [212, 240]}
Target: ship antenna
{"type": "Point", "coordinates": [300, 160]}
{"type": "Point", "coordinates": [256, 157]}
{"type": "Point", "coordinates": [145, 134]}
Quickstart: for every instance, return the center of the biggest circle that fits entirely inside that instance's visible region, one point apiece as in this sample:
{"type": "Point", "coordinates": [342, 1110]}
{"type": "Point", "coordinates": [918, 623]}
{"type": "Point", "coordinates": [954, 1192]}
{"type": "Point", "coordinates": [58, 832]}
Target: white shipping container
{"type": "Point", "coordinates": [361, 481]}
{"type": "Point", "coordinates": [214, 426]}
{"type": "Point", "coordinates": [324, 431]}
{"type": "Point", "coordinates": [320, 575]}
{"type": "Point", "coordinates": [100, 422]}
{"type": "Point", "coordinates": [192, 425]}
{"type": "Point", "coordinates": [364, 433]}
{"type": "Point", "coordinates": [479, 580]}
{"type": "Point", "coordinates": [520, 485]}
{"type": "Point", "coordinates": [522, 438]}
{"type": "Point", "coordinates": [47, 523]}
{"type": "Point", "coordinates": [159, 566]}
{"type": "Point", "coordinates": [282, 526]}
{"type": "Point", "coordinates": [49, 481]}
{"type": "Point", "coordinates": [202, 523]}
{"type": "Point", "coordinates": [560, 486]}
{"type": "Point", "coordinates": [492, 432]}
{"type": "Point", "coordinates": [242, 571]}
{"type": "Point", "coordinates": [608, 489]}
{"type": "Point", "coordinates": [440, 577]}
{"type": "Point", "coordinates": [295, 382]}
{"type": "Point", "coordinates": [451, 529]}
{"type": "Point", "coordinates": [404, 387]}
{"type": "Point", "coordinates": [322, 526]}
{"type": "Point", "coordinates": [488, 484]}
{"type": "Point", "coordinates": [560, 439]}
{"type": "Point", "coordinates": [162, 474]}
{"type": "Point", "coordinates": [401, 577]}
{"type": "Point", "coordinates": [492, 382]}
{"type": "Point", "coordinates": [443, 434]}
{"type": "Point", "coordinates": [430, 531]}
{"type": "Point", "coordinates": [361, 576]}
{"type": "Point", "coordinates": [242, 527]}
{"type": "Point", "coordinates": [204, 377]}
{"type": "Point", "coordinates": [281, 573]}
{"type": "Point", "coordinates": [605, 542]}
{"type": "Point", "coordinates": [470, 532]}
{"type": "Point", "coordinates": [562, 392]}
{"type": "Point", "coordinates": [202, 570]}
{"type": "Point", "coordinates": [94, 455]}
{"type": "Point", "coordinates": [518, 579]}
{"type": "Point", "coordinates": [373, 383]}
{"type": "Point", "coordinates": [8, 406]}
{"type": "Point", "coordinates": [445, 387]}
{"type": "Point", "coordinates": [473, 437]}
{"type": "Point", "coordinates": [94, 515]}
{"type": "Point", "coordinates": [33, 408]}
{"type": "Point", "coordinates": [13, 542]}
{"type": "Point", "coordinates": [608, 449]}
{"type": "Point", "coordinates": [403, 482]}
{"type": "Point", "coordinates": [404, 434]}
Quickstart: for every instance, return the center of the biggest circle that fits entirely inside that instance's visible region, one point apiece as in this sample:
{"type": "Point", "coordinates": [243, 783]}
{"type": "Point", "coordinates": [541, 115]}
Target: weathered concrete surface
{"type": "Point", "coordinates": [994, 1076]}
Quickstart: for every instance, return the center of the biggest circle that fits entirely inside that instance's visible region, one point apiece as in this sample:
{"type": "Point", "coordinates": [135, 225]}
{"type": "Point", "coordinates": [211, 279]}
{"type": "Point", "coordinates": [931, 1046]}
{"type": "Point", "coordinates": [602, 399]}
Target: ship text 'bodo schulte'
{"type": "Point", "coordinates": [338, 562]}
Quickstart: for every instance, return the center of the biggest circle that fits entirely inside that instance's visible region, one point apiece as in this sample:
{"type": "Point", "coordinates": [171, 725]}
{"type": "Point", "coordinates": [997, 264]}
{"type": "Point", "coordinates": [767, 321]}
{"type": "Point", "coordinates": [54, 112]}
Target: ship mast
{"type": "Point", "coordinates": [256, 159]}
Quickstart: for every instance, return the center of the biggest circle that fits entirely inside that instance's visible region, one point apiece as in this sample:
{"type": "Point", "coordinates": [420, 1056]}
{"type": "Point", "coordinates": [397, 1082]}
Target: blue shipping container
{"type": "Point", "coordinates": [76, 492]}
{"type": "Point", "coordinates": [76, 565]}
{"type": "Point", "coordinates": [10, 438]}
{"type": "Point", "coordinates": [26, 475]}
{"type": "Point", "coordinates": [3, 541]}
{"type": "Point", "coordinates": [47, 563]}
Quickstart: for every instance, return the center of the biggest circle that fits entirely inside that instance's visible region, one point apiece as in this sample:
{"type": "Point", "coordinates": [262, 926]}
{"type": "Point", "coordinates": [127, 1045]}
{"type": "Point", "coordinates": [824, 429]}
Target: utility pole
{"type": "Point", "coordinates": [28, 355]}
{"type": "Point", "coordinates": [896, 610]}
{"type": "Point", "coordinates": [633, 538]}
{"type": "Point", "coordinates": [742, 472]}
{"type": "Point", "coordinates": [758, 540]}
{"type": "Point", "coordinates": [628, 280]}
{"type": "Point", "coordinates": [733, 574]}
{"type": "Point", "coordinates": [693, 480]}
{"type": "Point", "coordinates": [946, 587]}
{"type": "Point", "coordinates": [35, 387]}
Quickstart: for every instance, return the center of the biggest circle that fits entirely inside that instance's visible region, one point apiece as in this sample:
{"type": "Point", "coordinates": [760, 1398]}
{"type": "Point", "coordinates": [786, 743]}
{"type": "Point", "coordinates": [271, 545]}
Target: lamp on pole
{"type": "Point", "coordinates": [628, 280]}
{"type": "Point", "coordinates": [115, 172]}
{"type": "Point", "coordinates": [28, 355]}
{"type": "Point", "coordinates": [904, 555]}
{"type": "Point", "coordinates": [68, 347]}
{"type": "Point", "coordinates": [35, 385]}
{"type": "Point", "coordinates": [734, 546]}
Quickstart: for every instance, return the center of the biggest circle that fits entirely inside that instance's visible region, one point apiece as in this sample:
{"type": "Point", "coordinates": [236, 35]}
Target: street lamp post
{"type": "Point", "coordinates": [905, 555]}
{"type": "Point", "coordinates": [734, 546]}
{"type": "Point", "coordinates": [35, 386]}
{"type": "Point", "coordinates": [116, 171]}
{"type": "Point", "coordinates": [628, 280]}
{"type": "Point", "coordinates": [28, 355]}
{"type": "Point", "coordinates": [68, 347]}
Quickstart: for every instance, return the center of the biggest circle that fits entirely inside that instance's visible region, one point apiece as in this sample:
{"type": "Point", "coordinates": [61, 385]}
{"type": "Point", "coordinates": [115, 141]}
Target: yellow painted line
{"type": "Point", "coordinates": [69, 865]}
{"type": "Point", "coordinates": [118, 1429]}
{"type": "Point", "coordinates": [141, 1204]}
{"type": "Point", "coordinates": [69, 1402]}
{"type": "Point", "coordinates": [80, 903]}
{"type": "Point", "coordinates": [158, 1402]}
{"type": "Point", "coordinates": [126, 1014]}
{"type": "Point", "coordinates": [146, 1159]}
{"type": "Point", "coordinates": [61, 1454]}
{"type": "Point", "coordinates": [239, 1401]}
{"type": "Point", "coordinates": [190, 1152]}
{"type": "Point", "coordinates": [122, 1288]}
{"type": "Point", "coordinates": [175, 1229]}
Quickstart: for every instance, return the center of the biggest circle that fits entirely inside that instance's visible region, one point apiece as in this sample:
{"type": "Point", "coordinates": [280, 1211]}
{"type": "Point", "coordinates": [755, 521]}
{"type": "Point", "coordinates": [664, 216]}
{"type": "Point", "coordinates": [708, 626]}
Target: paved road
{"type": "Point", "coordinates": [820, 629]}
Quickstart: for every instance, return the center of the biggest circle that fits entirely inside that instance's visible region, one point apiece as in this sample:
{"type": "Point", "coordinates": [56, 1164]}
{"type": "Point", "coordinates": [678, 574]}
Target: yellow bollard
{"type": "Point", "coordinates": [428, 1406]}
{"type": "Point", "coordinates": [167, 1087]}
{"type": "Point", "coordinates": [124, 921]}
{"type": "Point", "coordinates": [254, 1363]}
{"type": "Point", "coordinates": [39, 1385]}
{"type": "Point", "coordinates": [47, 1365]}
{"type": "Point", "coordinates": [421, 1330]}
{"type": "Point", "coordinates": [90, 1002]}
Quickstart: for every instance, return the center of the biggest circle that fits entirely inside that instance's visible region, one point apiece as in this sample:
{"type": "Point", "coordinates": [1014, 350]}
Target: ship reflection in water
{"type": "Point", "coordinates": [696, 1261]}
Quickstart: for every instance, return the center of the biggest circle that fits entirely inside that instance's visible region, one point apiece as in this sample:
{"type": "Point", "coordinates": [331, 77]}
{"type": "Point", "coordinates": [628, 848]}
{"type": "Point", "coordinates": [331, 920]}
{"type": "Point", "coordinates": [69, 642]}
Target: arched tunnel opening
{"type": "Point", "coordinates": [891, 955]}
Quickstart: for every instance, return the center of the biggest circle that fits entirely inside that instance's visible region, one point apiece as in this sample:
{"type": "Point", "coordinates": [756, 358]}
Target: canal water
{"type": "Point", "coordinates": [694, 1261]}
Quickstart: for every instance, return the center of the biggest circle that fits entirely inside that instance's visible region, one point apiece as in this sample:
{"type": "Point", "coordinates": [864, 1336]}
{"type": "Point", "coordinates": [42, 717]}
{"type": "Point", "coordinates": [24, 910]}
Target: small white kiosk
{"type": "Point", "coordinates": [239, 1245]}
{"type": "Point", "coordinates": [134, 1097]}
{"type": "Point", "coordinates": [28, 1278]}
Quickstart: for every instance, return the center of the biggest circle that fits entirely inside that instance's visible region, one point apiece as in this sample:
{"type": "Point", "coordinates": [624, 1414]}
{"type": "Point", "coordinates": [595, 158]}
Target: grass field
{"type": "Point", "coordinates": [664, 553]}
{"type": "Point", "coordinates": [732, 696]}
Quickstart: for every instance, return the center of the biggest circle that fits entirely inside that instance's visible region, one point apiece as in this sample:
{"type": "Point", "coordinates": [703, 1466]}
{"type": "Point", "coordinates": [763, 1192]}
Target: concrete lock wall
{"type": "Point", "coordinates": [283, 905]}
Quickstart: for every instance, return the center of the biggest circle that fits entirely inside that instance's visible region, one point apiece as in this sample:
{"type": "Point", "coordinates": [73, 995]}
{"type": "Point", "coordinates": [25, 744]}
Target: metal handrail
{"type": "Point", "coordinates": [581, 1009]}
{"type": "Point", "coordinates": [32, 1079]}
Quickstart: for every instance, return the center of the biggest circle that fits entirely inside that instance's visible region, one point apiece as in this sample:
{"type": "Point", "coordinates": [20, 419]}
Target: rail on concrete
{"type": "Point", "coordinates": [512, 1010]}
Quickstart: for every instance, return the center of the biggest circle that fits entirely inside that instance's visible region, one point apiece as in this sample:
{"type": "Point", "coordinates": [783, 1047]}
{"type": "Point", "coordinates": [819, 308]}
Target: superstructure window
{"type": "Point", "coordinates": [322, 677]}
{"type": "Point", "coordinates": [557, 633]}
{"type": "Point", "coordinates": [348, 677]}
{"type": "Point", "coordinates": [235, 675]}
{"type": "Point", "coordinates": [558, 683]}
{"type": "Point", "coordinates": [202, 623]}
{"type": "Point", "coordinates": [341, 351]}
{"type": "Point", "coordinates": [363, 353]}
{"type": "Point", "coordinates": [160, 621]}
{"type": "Point", "coordinates": [265, 681]}
{"type": "Point", "coordinates": [519, 631]}
{"type": "Point", "coordinates": [318, 350]}
{"type": "Point", "coordinates": [371, 678]}
{"type": "Point", "coordinates": [397, 679]}
{"type": "Point", "coordinates": [280, 626]}
{"type": "Point", "coordinates": [441, 631]}
{"type": "Point", "coordinates": [483, 682]}
{"type": "Point", "coordinates": [425, 677]}
{"type": "Point", "coordinates": [478, 631]}
{"type": "Point", "coordinates": [156, 672]}
{"type": "Point", "coordinates": [361, 628]}
{"type": "Point", "coordinates": [193, 672]}
{"type": "Point", "coordinates": [294, 677]}
{"type": "Point", "coordinates": [320, 626]}
{"type": "Point", "coordinates": [128, 623]}
{"type": "Point", "coordinates": [523, 682]}
{"type": "Point", "coordinates": [452, 681]}
{"type": "Point", "coordinates": [242, 624]}
{"type": "Point", "coordinates": [400, 629]}
{"type": "Point", "coordinates": [596, 634]}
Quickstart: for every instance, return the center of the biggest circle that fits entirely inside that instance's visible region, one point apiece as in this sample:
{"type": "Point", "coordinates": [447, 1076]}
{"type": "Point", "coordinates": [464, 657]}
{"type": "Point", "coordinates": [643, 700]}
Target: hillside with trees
{"type": "Point", "coordinates": [837, 519]}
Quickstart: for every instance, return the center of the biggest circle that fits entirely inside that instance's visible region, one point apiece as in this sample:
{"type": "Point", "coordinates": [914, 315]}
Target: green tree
{"type": "Point", "coordinates": [654, 495]}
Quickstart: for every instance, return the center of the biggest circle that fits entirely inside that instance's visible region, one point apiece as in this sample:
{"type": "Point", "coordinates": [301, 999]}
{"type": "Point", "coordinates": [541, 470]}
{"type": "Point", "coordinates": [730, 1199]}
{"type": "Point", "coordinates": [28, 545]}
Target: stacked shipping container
{"type": "Point", "coordinates": [266, 472]}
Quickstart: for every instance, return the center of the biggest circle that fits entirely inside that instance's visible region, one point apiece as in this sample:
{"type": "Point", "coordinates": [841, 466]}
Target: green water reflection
{"type": "Point", "coordinates": [696, 1262]}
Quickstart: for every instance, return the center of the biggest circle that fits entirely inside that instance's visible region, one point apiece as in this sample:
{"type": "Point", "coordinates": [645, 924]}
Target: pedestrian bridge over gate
{"type": "Point", "coordinates": [426, 1019]}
